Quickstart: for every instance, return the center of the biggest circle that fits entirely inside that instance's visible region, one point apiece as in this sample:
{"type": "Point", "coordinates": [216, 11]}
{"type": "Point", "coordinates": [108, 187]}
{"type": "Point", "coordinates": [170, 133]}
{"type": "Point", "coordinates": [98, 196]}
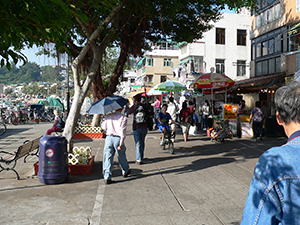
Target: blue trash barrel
{"type": "Point", "coordinates": [53, 160]}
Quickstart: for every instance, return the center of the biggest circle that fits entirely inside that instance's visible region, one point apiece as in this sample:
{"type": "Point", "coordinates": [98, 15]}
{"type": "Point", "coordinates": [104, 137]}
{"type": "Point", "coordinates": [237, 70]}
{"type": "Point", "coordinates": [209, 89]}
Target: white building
{"type": "Point", "coordinates": [128, 81]}
{"type": "Point", "coordinates": [226, 48]}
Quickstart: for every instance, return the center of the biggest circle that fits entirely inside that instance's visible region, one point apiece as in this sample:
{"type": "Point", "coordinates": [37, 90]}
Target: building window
{"type": "Point", "coordinates": [271, 66]}
{"type": "Point", "coordinates": [264, 48]}
{"type": "Point", "coordinates": [253, 52]}
{"type": "Point", "coordinates": [258, 50]}
{"type": "Point", "coordinates": [258, 21]}
{"type": "Point", "coordinates": [271, 46]}
{"type": "Point", "coordinates": [220, 36]}
{"type": "Point", "coordinates": [168, 62]}
{"type": "Point", "coordinates": [241, 37]}
{"type": "Point", "coordinates": [278, 64]}
{"type": "Point", "coordinates": [163, 79]}
{"type": "Point", "coordinates": [149, 62]}
{"type": "Point", "coordinates": [277, 11]}
{"type": "Point", "coordinates": [258, 69]}
{"type": "Point", "coordinates": [241, 68]}
{"type": "Point", "coordinates": [150, 79]}
{"type": "Point", "coordinates": [295, 42]}
{"type": "Point", "coordinates": [264, 67]}
{"type": "Point", "coordinates": [278, 44]}
{"type": "Point", "coordinates": [297, 5]}
{"type": "Point", "coordinates": [220, 65]}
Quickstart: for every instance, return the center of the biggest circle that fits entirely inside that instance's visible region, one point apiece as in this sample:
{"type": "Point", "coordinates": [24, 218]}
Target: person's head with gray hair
{"type": "Point", "coordinates": [287, 102]}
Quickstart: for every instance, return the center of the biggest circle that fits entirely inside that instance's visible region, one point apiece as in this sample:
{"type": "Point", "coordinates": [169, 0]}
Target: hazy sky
{"type": "Point", "coordinates": [40, 60]}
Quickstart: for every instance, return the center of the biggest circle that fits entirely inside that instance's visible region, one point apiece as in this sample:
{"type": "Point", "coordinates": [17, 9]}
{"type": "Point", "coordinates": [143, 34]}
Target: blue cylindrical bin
{"type": "Point", "coordinates": [53, 160]}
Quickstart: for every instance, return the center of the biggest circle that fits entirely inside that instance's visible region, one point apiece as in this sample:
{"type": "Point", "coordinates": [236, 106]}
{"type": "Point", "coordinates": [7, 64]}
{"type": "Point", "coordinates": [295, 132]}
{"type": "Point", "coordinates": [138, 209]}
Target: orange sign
{"type": "Point", "coordinates": [230, 111]}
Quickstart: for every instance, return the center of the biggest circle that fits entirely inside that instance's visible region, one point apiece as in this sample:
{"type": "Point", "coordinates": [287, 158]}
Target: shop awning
{"type": "Point", "coordinates": [257, 83]}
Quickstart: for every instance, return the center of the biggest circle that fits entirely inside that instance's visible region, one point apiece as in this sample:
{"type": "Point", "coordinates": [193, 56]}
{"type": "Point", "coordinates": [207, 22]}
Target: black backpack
{"type": "Point", "coordinates": [149, 116]}
{"type": "Point", "coordinates": [62, 123]}
{"type": "Point", "coordinates": [140, 115]}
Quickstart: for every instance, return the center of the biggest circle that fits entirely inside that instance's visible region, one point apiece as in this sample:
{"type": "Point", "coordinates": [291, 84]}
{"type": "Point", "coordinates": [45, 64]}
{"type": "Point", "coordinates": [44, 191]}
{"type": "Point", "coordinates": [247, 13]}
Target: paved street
{"type": "Point", "coordinates": [202, 183]}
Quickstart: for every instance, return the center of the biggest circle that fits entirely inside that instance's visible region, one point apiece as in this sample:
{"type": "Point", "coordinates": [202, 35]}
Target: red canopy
{"type": "Point", "coordinates": [212, 80]}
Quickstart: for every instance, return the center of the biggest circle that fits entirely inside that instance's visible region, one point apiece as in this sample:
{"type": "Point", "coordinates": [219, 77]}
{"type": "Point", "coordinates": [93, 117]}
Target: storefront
{"type": "Point", "coordinates": [260, 89]}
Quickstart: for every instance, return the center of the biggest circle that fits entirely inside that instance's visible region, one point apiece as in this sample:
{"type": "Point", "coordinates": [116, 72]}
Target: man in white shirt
{"type": "Point", "coordinates": [172, 109]}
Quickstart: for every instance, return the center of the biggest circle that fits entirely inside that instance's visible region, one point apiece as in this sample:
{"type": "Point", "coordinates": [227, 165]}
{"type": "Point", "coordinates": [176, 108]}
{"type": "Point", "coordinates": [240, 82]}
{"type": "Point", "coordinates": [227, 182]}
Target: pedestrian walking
{"type": "Point", "coordinates": [185, 116]}
{"type": "Point", "coordinates": [257, 117]}
{"type": "Point", "coordinates": [58, 123]}
{"type": "Point", "coordinates": [205, 114]}
{"type": "Point", "coordinates": [115, 125]}
{"type": "Point", "coordinates": [273, 196]}
{"type": "Point", "coordinates": [172, 110]}
{"type": "Point", "coordinates": [139, 127]}
{"type": "Point", "coordinates": [156, 106]}
{"type": "Point", "coordinates": [241, 107]}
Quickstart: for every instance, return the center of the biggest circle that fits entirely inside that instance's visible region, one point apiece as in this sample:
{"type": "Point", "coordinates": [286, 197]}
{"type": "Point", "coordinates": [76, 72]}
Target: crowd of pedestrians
{"type": "Point", "coordinates": [273, 196]}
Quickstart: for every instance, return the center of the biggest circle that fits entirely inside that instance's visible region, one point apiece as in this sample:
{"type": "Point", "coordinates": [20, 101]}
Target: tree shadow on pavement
{"type": "Point", "coordinates": [11, 132]}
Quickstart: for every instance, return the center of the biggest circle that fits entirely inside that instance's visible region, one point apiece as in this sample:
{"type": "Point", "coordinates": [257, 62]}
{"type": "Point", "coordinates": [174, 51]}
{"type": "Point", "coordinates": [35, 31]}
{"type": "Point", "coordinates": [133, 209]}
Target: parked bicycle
{"type": "Point", "coordinates": [2, 128]}
{"type": "Point", "coordinates": [8, 116]}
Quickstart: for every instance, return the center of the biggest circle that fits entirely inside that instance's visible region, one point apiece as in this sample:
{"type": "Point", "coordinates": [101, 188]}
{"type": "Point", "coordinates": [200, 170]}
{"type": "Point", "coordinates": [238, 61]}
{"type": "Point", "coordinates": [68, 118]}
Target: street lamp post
{"type": "Point", "coordinates": [144, 86]}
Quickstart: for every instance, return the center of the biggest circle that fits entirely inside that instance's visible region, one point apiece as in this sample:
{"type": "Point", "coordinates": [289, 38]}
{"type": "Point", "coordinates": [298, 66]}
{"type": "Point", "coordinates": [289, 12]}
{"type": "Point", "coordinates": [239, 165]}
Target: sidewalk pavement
{"type": "Point", "coordinates": [202, 183]}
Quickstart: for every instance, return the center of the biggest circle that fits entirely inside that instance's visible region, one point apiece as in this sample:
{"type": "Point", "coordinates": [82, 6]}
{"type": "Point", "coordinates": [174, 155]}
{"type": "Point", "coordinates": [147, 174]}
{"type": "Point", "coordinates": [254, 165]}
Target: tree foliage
{"type": "Point", "coordinates": [25, 74]}
{"type": "Point", "coordinates": [30, 72]}
{"type": "Point", "coordinates": [85, 29]}
{"type": "Point", "coordinates": [29, 22]}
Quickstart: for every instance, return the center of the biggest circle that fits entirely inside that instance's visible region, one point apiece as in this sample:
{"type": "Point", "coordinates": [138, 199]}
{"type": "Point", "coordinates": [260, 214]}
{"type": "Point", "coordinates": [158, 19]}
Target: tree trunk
{"type": "Point", "coordinates": [96, 120]}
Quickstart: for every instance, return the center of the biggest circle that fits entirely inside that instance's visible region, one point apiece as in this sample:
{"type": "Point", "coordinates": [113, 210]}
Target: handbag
{"type": "Point", "coordinates": [193, 130]}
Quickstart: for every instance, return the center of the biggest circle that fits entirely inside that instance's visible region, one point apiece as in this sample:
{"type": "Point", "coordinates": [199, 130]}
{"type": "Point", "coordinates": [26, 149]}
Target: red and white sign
{"type": "Point", "coordinates": [49, 152]}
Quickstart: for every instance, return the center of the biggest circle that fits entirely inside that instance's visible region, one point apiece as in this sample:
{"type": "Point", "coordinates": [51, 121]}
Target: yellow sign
{"type": "Point", "coordinates": [230, 111]}
{"type": "Point", "coordinates": [245, 118]}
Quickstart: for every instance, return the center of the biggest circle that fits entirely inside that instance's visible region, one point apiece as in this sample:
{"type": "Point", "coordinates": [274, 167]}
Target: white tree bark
{"type": "Point", "coordinates": [80, 90]}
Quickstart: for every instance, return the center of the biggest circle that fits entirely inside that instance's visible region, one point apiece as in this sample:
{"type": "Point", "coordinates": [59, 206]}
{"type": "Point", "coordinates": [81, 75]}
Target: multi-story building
{"type": "Point", "coordinates": [275, 48]}
{"type": "Point", "coordinates": [156, 65]}
{"type": "Point", "coordinates": [275, 38]}
{"type": "Point", "coordinates": [269, 39]}
{"type": "Point", "coordinates": [226, 48]}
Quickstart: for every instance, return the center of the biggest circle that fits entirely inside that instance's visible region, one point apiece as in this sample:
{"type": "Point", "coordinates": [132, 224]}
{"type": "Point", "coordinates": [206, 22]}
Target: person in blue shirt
{"type": "Point", "coordinates": [163, 122]}
{"type": "Point", "coordinates": [274, 192]}
{"type": "Point", "coordinates": [57, 125]}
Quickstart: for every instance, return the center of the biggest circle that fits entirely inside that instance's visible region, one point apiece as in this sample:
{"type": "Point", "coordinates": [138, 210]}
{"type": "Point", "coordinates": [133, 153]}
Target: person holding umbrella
{"type": "Point", "coordinates": [115, 125]}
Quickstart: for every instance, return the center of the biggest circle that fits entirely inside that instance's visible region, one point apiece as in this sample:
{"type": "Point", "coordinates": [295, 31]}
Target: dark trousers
{"type": "Point", "coordinates": [257, 128]}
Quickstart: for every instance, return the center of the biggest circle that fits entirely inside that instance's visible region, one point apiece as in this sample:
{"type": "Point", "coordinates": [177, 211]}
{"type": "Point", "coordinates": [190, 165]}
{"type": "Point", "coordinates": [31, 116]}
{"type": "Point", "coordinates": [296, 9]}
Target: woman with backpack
{"type": "Point", "coordinates": [58, 124]}
{"type": "Point", "coordinates": [186, 118]}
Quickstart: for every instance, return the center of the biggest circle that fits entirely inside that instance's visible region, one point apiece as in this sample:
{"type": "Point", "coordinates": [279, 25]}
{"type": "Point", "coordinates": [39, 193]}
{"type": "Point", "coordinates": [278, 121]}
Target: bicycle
{"type": "Point", "coordinates": [2, 128]}
{"type": "Point", "coordinates": [168, 142]}
{"type": "Point", "coordinates": [9, 116]}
